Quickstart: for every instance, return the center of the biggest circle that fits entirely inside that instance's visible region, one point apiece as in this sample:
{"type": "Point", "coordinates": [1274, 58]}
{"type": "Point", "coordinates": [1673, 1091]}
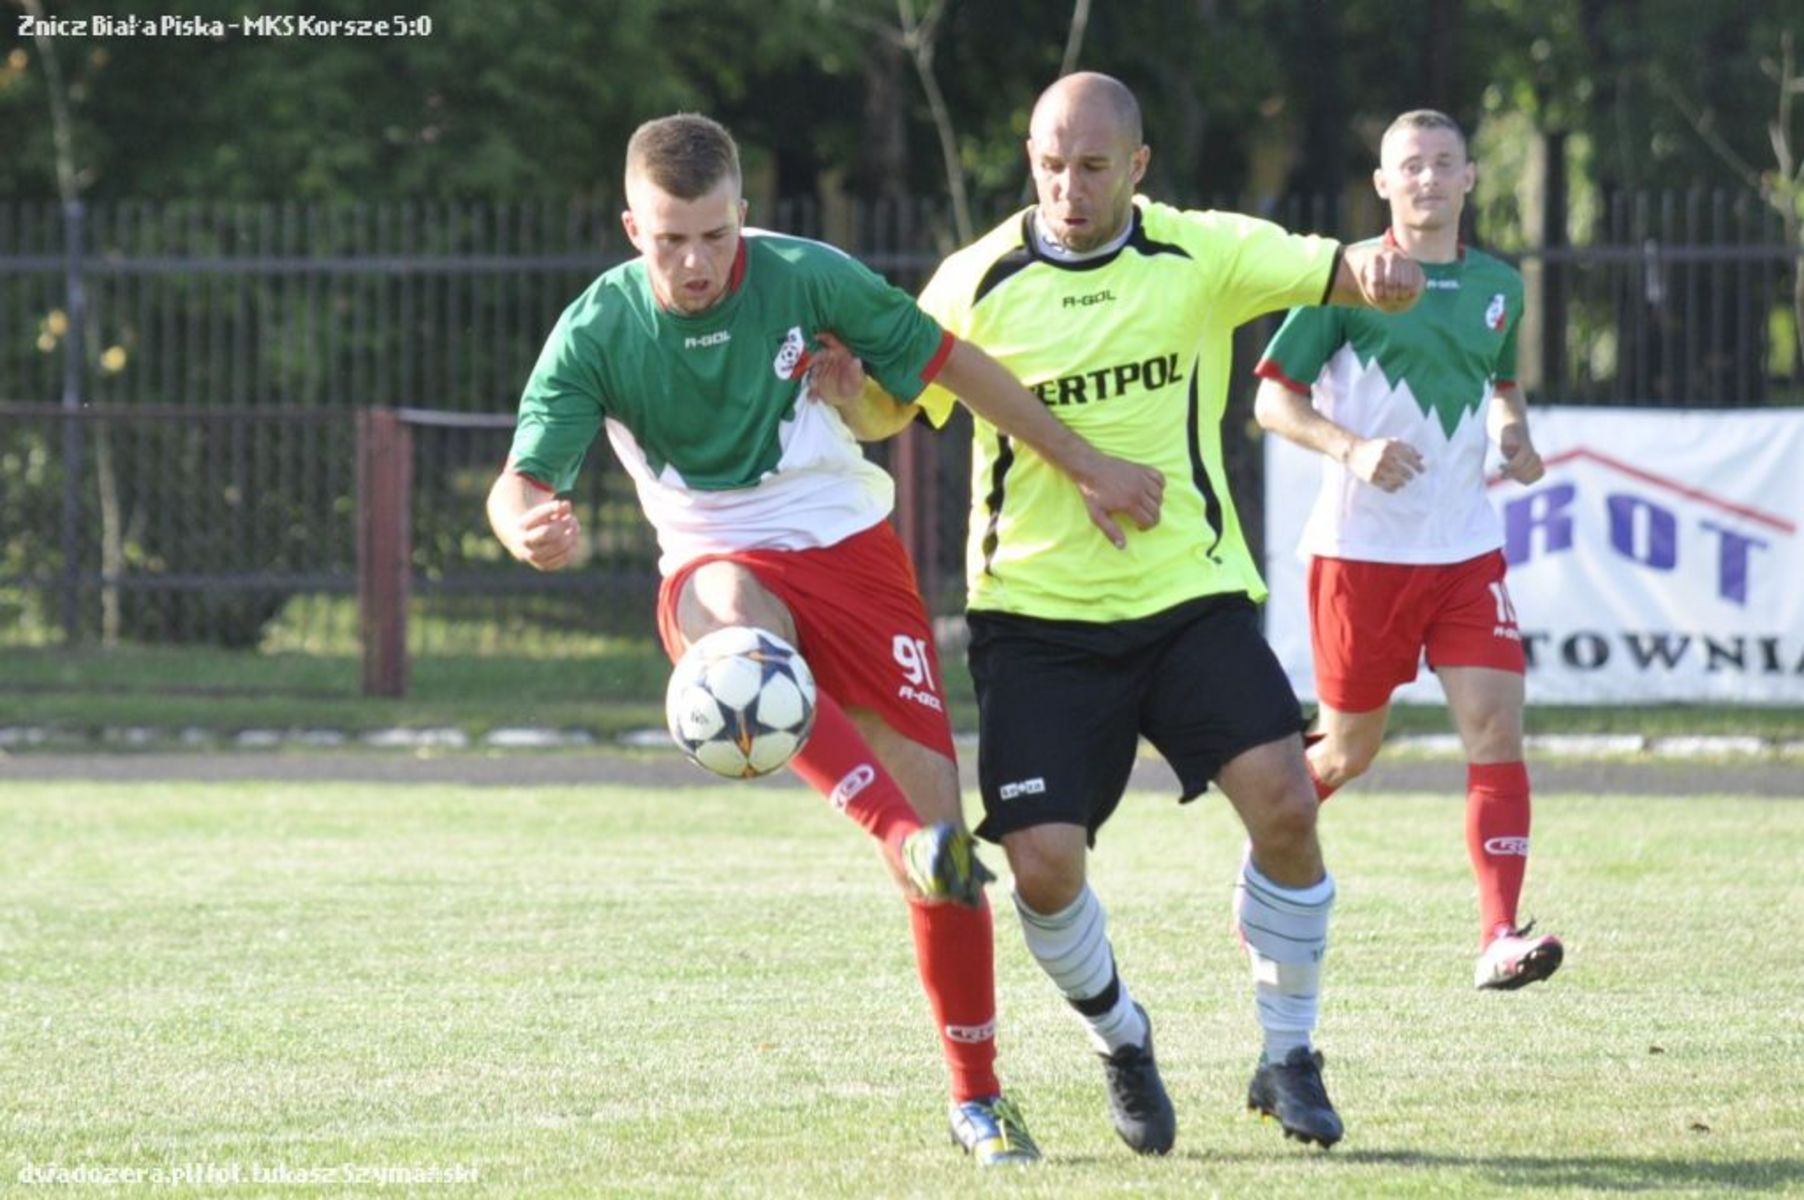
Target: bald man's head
{"type": "Point", "coordinates": [1084, 148]}
{"type": "Point", "coordinates": [1102, 95]}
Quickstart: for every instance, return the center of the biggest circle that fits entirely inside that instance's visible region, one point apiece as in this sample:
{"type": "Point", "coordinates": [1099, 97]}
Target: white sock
{"type": "Point", "coordinates": [1286, 933]}
{"type": "Point", "coordinates": [1072, 947]}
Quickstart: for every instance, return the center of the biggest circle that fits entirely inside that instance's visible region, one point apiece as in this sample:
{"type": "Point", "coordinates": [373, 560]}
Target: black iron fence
{"type": "Point", "coordinates": [179, 386]}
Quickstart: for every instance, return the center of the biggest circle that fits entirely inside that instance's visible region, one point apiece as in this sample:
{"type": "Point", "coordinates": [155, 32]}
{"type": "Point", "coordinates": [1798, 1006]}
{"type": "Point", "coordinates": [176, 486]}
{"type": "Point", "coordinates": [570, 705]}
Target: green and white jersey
{"type": "Point", "coordinates": [1132, 349]}
{"type": "Point", "coordinates": [1424, 377]}
{"type": "Point", "coordinates": [711, 414]}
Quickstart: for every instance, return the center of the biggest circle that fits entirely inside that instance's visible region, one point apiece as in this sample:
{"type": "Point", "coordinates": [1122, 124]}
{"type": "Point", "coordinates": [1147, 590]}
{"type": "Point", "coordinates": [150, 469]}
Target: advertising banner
{"type": "Point", "coordinates": [1659, 559]}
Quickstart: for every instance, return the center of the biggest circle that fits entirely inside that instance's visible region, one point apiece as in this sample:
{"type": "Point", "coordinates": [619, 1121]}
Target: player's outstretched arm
{"type": "Point", "coordinates": [1377, 275]}
{"type": "Point", "coordinates": [1109, 485]}
{"type": "Point", "coordinates": [532, 523]}
{"type": "Point", "coordinates": [1385, 463]}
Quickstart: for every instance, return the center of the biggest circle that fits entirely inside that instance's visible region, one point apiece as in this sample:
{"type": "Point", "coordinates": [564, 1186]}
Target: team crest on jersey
{"type": "Point", "coordinates": [792, 355]}
{"type": "Point", "coordinates": [1496, 312]}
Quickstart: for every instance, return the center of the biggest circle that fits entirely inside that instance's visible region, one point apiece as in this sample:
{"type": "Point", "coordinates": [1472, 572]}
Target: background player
{"type": "Point", "coordinates": [1119, 313]}
{"type": "Point", "coordinates": [695, 357]}
{"type": "Point", "coordinates": [1404, 547]}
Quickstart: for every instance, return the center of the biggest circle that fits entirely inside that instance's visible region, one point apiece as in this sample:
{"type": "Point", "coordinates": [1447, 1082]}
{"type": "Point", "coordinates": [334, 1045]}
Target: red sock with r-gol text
{"type": "Point", "coordinates": [1497, 817]}
{"type": "Point", "coordinates": [955, 951]}
{"type": "Point", "coordinates": [838, 763]}
{"type": "Point", "coordinates": [955, 946]}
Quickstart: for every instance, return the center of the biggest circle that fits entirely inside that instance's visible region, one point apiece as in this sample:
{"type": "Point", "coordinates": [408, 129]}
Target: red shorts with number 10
{"type": "Point", "coordinates": [859, 624]}
{"type": "Point", "coordinates": [1370, 624]}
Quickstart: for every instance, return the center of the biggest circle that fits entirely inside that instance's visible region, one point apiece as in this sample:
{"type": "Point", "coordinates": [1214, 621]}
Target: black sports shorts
{"type": "Point", "coordinates": [1062, 706]}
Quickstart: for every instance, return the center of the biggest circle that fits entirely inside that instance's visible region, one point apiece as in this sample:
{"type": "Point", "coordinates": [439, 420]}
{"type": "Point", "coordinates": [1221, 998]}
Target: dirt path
{"type": "Point", "coordinates": [1757, 777]}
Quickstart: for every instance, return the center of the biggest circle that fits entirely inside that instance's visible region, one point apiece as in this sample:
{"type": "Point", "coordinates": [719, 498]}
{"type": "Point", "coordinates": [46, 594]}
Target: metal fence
{"type": "Point", "coordinates": [179, 385]}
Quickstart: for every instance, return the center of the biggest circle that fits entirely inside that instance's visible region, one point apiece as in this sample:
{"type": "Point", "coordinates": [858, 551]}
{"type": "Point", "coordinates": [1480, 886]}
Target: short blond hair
{"type": "Point", "coordinates": [684, 154]}
{"type": "Point", "coordinates": [1426, 118]}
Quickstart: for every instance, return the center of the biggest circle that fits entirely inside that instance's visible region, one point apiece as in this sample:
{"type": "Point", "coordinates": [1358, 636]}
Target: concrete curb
{"type": "Point", "coordinates": [140, 738]}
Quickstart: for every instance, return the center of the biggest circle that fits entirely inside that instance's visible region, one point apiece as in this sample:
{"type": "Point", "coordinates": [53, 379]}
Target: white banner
{"type": "Point", "coordinates": [1661, 558]}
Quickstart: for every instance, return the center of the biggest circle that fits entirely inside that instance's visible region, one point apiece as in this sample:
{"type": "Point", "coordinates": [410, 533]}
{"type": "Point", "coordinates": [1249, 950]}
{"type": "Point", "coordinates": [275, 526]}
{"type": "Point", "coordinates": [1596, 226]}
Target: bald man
{"type": "Point", "coordinates": [1118, 312]}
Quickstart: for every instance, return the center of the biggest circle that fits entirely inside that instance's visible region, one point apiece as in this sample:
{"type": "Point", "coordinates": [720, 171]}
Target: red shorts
{"type": "Point", "coordinates": [1371, 622]}
{"type": "Point", "coordinates": [859, 623]}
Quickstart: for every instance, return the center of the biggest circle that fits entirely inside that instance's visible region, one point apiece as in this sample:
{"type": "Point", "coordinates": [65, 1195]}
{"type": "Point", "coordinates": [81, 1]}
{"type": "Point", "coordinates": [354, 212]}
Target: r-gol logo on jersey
{"type": "Point", "coordinates": [717, 338]}
{"type": "Point", "coordinates": [920, 696]}
{"type": "Point", "coordinates": [857, 779]}
{"type": "Point", "coordinates": [792, 356]}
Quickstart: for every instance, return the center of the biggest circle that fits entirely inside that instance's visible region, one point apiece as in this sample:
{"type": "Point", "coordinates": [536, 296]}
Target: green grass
{"type": "Point", "coordinates": [601, 684]}
{"type": "Point", "coordinates": [612, 685]}
{"type": "Point", "coordinates": [603, 991]}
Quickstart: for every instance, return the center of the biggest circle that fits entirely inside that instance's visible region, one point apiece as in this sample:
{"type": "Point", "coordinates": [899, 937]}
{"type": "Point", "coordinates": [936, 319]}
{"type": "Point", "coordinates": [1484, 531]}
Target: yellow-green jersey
{"type": "Point", "coordinates": [1133, 350]}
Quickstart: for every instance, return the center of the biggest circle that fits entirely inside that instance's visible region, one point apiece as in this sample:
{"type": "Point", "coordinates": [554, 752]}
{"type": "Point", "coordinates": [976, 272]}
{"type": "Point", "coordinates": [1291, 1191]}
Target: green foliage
{"type": "Point", "coordinates": [537, 98]}
{"type": "Point", "coordinates": [1611, 72]}
{"type": "Point", "coordinates": [500, 100]}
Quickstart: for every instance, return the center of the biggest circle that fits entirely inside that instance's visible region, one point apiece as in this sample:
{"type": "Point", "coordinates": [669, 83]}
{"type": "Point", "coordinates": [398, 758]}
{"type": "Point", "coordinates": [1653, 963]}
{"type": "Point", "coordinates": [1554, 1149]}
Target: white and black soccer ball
{"type": "Point", "coordinates": [740, 702]}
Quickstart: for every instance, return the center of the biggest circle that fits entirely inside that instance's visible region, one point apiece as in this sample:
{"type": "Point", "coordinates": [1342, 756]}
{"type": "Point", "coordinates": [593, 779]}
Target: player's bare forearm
{"type": "Point", "coordinates": [988, 389]}
{"type": "Point", "coordinates": [1108, 484]}
{"type": "Point", "coordinates": [1507, 423]}
{"type": "Point", "coordinates": [1377, 275]}
{"type": "Point", "coordinates": [1385, 463]}
{"type": "Point", "coordinates": [875, 414]}
{"type": "Point", "coordinates": [509, 498]}
{"type": "Point", "coordinates": [531, 522]}
{"type": "Point", "coordinates": [1507, 408]}
{"type": "Point", "coordinates": [1292, 417]}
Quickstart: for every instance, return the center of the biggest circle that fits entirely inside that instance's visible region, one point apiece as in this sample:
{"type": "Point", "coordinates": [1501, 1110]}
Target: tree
{"type": "Point", "coordinates": [1782, 186]}
{"type": "Point", "coordinates": [508, 101]}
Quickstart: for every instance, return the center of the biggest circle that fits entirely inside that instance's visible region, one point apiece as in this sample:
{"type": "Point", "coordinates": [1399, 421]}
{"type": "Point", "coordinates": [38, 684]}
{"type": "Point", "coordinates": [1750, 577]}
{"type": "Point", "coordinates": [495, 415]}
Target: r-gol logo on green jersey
{"type": "Point", "coordinates": [1107, 383]}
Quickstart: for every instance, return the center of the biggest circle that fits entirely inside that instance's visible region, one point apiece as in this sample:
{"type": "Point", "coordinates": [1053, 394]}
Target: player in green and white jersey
{"type": "Point", "coordinates": [1403, 546]}
{"type": "Point", "coordinates": [710, 360]}
{"type": "Point", "coordinates": [1118, 312]}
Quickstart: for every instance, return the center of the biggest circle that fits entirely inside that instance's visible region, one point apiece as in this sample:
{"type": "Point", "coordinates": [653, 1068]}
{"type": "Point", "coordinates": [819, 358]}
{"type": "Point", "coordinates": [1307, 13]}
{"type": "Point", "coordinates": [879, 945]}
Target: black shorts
{"type": "Point", "coordinates": [1062, 706]}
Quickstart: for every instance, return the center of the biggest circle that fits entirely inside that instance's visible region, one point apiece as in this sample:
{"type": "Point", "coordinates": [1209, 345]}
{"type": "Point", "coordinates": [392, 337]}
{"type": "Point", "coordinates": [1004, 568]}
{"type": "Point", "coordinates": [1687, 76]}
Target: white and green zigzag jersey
{"type": "Point", "coordinates": [1132, 349]}
{"type": "Point", "coordinates": [1424, 377]}
{"type": "Point", "coordinates": [711, 415]}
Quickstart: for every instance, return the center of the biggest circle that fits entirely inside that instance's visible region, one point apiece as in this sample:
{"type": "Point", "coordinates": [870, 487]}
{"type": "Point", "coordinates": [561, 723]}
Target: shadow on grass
{"type": "Point", "coordinates": [1596, 1173]}
{"type": "Point", "coordinates": [1602, 1173]}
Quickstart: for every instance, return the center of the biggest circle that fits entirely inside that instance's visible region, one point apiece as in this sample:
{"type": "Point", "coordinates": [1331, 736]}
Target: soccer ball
{"type": "Point", "coordinates": [740, 702]}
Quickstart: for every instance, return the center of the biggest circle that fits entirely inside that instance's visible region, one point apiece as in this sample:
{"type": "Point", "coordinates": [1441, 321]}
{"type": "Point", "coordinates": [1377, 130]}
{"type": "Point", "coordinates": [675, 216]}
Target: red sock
{"type": "Point", "coordinates": [1497, 839]}
{"type": "Point", "coordinates": [955, 950]}
{"type": "Point", "coordinates": [838, 763]}
{"type": "Point", "coordinates": [1322, 790]}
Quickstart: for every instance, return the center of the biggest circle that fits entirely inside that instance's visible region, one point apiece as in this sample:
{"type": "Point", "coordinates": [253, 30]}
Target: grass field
{"type": "Point", "coordinates": [606, 992]}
